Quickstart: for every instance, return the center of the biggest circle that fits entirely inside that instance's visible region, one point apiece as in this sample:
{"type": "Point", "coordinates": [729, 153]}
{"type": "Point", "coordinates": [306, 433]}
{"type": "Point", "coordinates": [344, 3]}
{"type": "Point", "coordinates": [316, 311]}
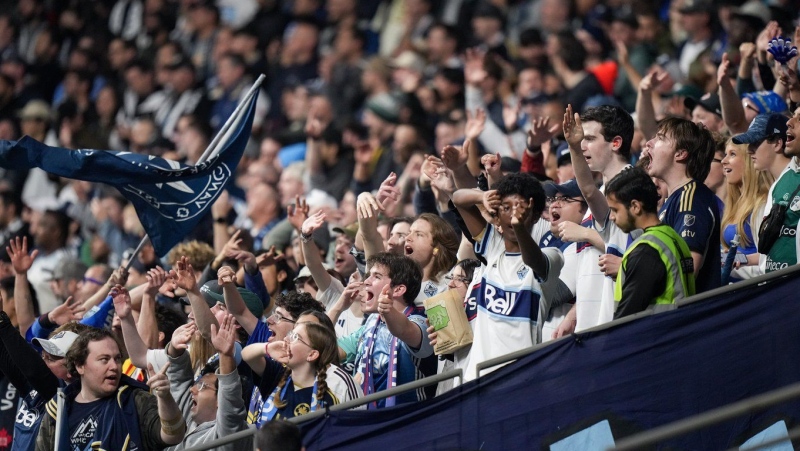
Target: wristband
{"type": "Point", "coordinates": [306, 238]}
{"type": "Point", "coordinates": [221, 221]}
{"type": "Point", "coordinates": [173, 426]}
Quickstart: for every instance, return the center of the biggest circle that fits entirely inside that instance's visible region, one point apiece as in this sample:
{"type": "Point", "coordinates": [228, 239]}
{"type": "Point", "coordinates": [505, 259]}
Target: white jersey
{"type": "Point", "coordinates": [342, 386]}
{"type": "Point", "coordinates": [616, 243]}
{"type": "Point", "coordinates": [507, 301]}
{"type": "Point", "coordinates": [347, 322]}
{"type": "Point", "coordinates": [429, 288]}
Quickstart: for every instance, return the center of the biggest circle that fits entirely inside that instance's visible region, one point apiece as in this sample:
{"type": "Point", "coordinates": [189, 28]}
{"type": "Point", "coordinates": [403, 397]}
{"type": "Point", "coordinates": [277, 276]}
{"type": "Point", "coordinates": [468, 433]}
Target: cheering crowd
{"type": "Point", "coordinates": [555, 164]}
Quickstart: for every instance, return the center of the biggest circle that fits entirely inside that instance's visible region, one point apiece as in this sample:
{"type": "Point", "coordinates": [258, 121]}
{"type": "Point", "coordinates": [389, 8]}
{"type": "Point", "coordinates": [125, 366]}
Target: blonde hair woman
{"type": "Point", "coordinates": [744, 208]}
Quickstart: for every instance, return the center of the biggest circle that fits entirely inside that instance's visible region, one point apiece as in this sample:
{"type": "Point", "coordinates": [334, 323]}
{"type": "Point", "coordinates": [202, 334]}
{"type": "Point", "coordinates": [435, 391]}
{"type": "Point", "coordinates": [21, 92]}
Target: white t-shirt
{"type": "Point", "coordinates": [507, 301]}
{"type": "Point", "coordinates": [347, 322]}
{"type": "Point", "coordinates": [40, 274]}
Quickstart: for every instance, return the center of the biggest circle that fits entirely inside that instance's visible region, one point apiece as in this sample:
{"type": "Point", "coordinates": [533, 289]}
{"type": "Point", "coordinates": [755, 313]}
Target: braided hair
{"type": "Point", "coordinates": [323, 340]}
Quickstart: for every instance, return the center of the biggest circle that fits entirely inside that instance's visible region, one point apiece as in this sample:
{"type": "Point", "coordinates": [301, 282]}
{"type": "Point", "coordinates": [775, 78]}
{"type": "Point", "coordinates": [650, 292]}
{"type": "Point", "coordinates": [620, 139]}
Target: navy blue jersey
{"type": "Point", "coordinates": [692, 210]}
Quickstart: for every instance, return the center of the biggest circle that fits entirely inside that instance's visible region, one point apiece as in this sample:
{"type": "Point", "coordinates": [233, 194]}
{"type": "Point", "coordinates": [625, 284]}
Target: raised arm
{"type": "Point", "coordinates": [573, 132]}
{"type": "Point", "coordinates": [455, 159]}
{"type": "Point", "coordinates": [351, 292]}
{"type": "Point", "coordinates": [645, 111]}
{"type": "Point", "coordinates": [476, 123]}
{"type": "Point", "coordinates": [467, 201]}
{"type": "Point", "coordinates": [137, 348]}
{"type": "Point", "coordinates": [173, 426]}
{"type": "Point", "coordinates": [147, 326]}
{"type": "Point", "coordinates": [531, 253]}
{"type": "Point", "coordinates": [397, 322]}
{"type": "Point", "coordinates": [233, 300]}
{"type": "Point", "coordinates": [21, 262]}
{"type": "Point", "coordinates": [732, 110]}
{"type": "Point", "coordinates": [368, 208]}
{"type": "Point", "coordinates": [118, 277]}
{"type": "Point", "coordinates": [184, 277]}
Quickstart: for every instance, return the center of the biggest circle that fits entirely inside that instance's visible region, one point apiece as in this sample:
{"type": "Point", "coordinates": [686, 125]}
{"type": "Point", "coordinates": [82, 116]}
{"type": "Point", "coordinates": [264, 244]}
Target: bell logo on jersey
{"type": "Point", "coordinates": [508, 303]}
{"type": "Point", "coordinates": [26, 417]}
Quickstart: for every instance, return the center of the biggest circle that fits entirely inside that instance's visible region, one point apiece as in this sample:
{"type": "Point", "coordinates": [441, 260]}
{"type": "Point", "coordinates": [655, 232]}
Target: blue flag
{"type": "Point", "coordinates": [170, 198]}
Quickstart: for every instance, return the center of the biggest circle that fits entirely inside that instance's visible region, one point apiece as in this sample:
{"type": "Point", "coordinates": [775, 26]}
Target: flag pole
{"type": "Point", "coordinates": [211, 146]}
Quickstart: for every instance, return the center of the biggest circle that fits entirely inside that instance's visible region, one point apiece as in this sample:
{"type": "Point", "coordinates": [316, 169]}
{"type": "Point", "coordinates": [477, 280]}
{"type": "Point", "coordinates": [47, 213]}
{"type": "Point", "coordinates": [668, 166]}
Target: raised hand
{"type": "Point", "coordinates": [169, 286]}
{"type": "Point", "coordinates": [491, 162]}
{"type": "Point", "coordinates": [388, 193]}
{"type": "Point", "coordinates": [519, 211]}
{"type": "Point", "coordinates": [70, 310]}
{"type": "Point", "coordinates": [313, 223]}
{"type": "Point", "coordinates": [474, 72]}
{"type": "Point", "coordinates": [622, 52]}
{"type": "Point", "coordinates": [183, 336]}
{"type": "Point", "coordinates": [158, 381]}
{"type": "Point", "coordinates": [367, 206]}
{"type": "Point", "coordinates": [747, 51]}
{"type": "Point", "coordinates": [232, 244]}
{"type": "Point", "coordinates": [248, 259]}
{"type": "Point", "coordinates": [771, 31]}
{"type": "Point", "coordinates": [183, 273]}
{"type": "Point", "coordinates": [475, 124]}
{"type": "Point", "coordinates": [491, 201]}
{"type": "Point", "coordinates": [269, 258]}
{"type": "Point", "coordinates": [722, 70]}
{"type": "Point", "coordinates": [454, 157]}
{"type": "Point", "coordinates": [541, 131]}
{"type": "Point", "coordinates": [652, 80]}
{"type": "Point", "coordinates": [224, 338]}
{"type": "Point", "coordinates": [122, 301]}
{"type": "Point", "coordinates": [441, 178]}
{"type": "Point", "coordinates": [225, 276]}
{"type": "Point", "coordinates": [297, 213]}
{"type": "Point", "coordinates": [511, 116]}
{"type": "Point", "coordinates": [314, 125]}
{"type": "Point", "coordinates": [573, 130]}
{"type": "Point", "coordinates": [384, 301]}
{"type": "Point", "coordinates": [351, 292]}
{"type": "Point", "coordinates": [156, 278]}
{"type": "Point", "coordinates": [18, 252]}
{"type": "Point", "coordinates": [278, 351]}
{"type": "Point", "coordinates": [118, 277]}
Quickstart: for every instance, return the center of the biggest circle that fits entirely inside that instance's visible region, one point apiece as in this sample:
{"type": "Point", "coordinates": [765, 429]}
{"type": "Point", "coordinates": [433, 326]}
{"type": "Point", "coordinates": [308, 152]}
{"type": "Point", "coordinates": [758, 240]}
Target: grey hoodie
{"type": "Point", "coordinates": [231, 411]}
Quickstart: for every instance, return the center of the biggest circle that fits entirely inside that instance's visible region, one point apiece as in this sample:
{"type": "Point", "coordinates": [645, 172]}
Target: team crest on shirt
{"type": "Point", "coordinates": [522, 272]}
{"type": "Point", "coordinates": [688, 220]}
{"type": "Point", "coordinates": [795, 205]}
{"type": "Point", "coordinates": [301, 409]}
{"type": "Point", "coordinates": [430, 289]}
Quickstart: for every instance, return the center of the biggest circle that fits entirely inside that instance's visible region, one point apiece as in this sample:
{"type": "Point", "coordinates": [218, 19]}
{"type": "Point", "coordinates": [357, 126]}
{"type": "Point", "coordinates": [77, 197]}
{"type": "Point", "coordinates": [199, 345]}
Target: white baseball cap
{"type": "Point", "coordinates": [58, 344]}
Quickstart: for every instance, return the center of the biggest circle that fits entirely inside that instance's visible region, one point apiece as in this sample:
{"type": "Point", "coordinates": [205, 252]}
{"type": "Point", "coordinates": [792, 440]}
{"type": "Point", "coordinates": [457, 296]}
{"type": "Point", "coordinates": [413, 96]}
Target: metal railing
{"type": "Point", "coordinates": [710, 418]}
{"type": "Point", "coordinates": [419, 383]}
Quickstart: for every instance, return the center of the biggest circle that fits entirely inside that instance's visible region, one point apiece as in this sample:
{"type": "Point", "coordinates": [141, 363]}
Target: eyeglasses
{"type": "Point", "coordinates": [449, 278]}
{"type": "Point", "coordinates": [277, 317]}
{"type": "Point", "coordinates": [294, 337]}
{"type": "Point", "coordinates": [92, 280]}
{"type": "Point", "coordinates": [202, 385]}
{"type": "Point", "coordinates": [562, 199]}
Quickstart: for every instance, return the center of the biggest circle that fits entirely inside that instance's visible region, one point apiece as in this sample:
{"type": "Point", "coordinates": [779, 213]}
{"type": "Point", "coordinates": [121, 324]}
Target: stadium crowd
{"type": "Point", "coordinates": [557, 164]}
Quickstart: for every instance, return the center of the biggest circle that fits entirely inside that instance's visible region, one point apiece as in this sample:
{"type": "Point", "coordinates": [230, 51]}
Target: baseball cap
{"type": "Point", "coordinates": [212, 294]}
{"type": "Point", "coordinates": [58, 344]}
{"type": "Point", "coordinates": [762, 127]}
{"type": "Point", "coordinates": [562, 154]}
{"type": "Point", "coordinates": [35, 109]}
{"type": "Point", "coordinates": [350, 230]}
{"type": "Point", "coordinates": [69, 268]}
{"type": "Point", "coordinates": [410, 60]}
{"type": "Point", "coordinates": [305, 273]}
{"type": "Point", "coordinates": [766, 101]}
{"type": "Point", "coordinates": [709, 102]}
{"type": "Point", "coordinates": [569, 188]}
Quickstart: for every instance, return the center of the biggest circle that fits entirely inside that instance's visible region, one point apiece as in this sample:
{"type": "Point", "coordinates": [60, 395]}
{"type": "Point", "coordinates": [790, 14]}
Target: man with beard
{"type": "Point", "coordinates": [647, 274]}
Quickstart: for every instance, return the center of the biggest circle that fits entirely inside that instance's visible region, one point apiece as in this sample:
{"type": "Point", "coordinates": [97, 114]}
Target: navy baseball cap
{"type": "Point", "coordinates": [762, 127]}
{"type": "Point", "coordinates": [562, 154]}
{"type": "Point", "coordinates": [569, 188]}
